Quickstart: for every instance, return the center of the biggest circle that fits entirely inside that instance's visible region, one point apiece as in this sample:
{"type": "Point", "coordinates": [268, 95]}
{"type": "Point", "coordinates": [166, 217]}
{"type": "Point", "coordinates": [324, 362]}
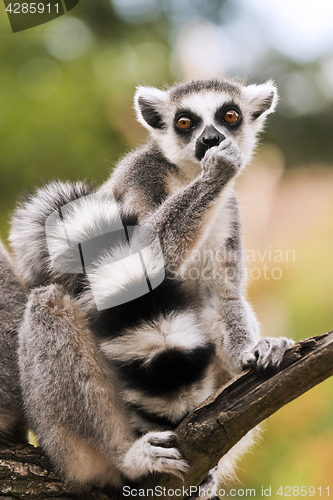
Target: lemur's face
{"type": "Point", "coordinates": [190, 118]}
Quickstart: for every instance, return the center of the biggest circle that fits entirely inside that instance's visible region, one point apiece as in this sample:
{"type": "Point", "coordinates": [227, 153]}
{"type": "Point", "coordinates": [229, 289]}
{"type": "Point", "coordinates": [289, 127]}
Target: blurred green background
{"type": "Point", "coordinates": [66, 92]}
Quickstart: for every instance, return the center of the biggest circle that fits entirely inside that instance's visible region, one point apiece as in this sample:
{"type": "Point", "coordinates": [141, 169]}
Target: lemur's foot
{"type": "Point", "coordinates": [207, 489]}
{"type": "Point", "coordinates": [267, 353]}
{"type": "Point", "coordinates": [151, 453]}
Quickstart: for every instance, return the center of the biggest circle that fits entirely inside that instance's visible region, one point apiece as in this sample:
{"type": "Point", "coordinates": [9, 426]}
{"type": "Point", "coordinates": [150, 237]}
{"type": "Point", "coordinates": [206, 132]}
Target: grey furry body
{"type": "Point", "coordinates": [12, 305]}
{"type": "Point", "coordinates": [104, 389]}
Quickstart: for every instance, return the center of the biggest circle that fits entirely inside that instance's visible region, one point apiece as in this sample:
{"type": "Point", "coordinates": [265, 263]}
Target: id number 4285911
{"type": "Point", "coordinates": [32, 8]}
{"type": "Point", "coordinates": [303, 491]}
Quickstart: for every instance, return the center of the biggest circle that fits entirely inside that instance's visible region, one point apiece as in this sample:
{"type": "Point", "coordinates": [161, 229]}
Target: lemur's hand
{"type": "Point", "coordinates": [152, 453]}
{"type": "Point", "coordinates": [268, 353]}
{"type": "Point", "coordinates": [223, 161]}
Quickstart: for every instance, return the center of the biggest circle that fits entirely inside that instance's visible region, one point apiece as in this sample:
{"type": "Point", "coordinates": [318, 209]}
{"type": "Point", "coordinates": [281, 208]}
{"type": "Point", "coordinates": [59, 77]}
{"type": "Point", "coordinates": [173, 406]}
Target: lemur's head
{"type": "Point", "coordinates": [187, 119]}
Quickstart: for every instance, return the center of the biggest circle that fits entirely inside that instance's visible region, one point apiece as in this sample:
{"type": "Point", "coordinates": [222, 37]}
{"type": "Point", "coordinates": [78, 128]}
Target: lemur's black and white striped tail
{"type": "Point", "coordinates": [67, 231]}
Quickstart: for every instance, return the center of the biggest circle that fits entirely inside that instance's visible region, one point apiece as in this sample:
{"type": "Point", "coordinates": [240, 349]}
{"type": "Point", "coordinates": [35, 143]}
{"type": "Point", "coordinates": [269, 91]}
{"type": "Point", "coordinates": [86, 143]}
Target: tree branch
{"type": "Point", "coordinates": [204, 436]}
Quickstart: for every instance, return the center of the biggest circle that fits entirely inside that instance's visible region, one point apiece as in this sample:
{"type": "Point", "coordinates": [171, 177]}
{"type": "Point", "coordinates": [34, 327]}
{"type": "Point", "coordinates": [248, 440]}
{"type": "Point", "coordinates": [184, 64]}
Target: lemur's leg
{"type": "Point", "coordinates": [73, 403]}
{"type": "Point", "coordinates": [213, 486]}
{"type": "Point", "coordinates": [207, 489]}
{"type": "Point", "coordinates": [12, 303]}
{"type": "Point", "coordinates": [183, 218]}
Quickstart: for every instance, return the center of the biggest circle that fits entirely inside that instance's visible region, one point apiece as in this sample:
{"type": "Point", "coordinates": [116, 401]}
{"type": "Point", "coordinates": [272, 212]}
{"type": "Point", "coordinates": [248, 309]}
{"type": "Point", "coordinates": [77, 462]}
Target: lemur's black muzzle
{"type": "Point", "coordinates": [209, 138]}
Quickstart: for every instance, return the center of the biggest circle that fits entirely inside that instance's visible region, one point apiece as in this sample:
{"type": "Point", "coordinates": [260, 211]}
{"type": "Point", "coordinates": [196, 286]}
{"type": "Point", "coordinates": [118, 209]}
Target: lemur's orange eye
{"type": "Point", "coordinates": [231, 116]}
{"type": "Point", "coordinates": [184, 123]}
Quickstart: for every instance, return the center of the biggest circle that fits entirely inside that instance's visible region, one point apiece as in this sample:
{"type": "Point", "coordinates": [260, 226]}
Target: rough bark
{"type": "Point", "coordinates": [204, 436]}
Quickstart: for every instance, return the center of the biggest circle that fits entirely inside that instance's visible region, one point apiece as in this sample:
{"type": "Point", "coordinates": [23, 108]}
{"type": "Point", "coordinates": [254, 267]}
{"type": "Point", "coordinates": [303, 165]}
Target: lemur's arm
{"type": "Point", "coordinates": [183, 218]}
{"type": "Point", "coordinates": [228, 316]}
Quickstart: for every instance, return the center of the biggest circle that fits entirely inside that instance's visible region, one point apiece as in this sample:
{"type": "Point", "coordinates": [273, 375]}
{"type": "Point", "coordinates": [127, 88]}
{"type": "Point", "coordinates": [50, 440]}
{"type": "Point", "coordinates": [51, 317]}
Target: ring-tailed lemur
{"type": "Point", "coordinates": [103, 387]}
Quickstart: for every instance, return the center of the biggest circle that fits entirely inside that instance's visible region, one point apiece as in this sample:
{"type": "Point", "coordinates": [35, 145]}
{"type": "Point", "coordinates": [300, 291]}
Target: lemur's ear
{"type": "Point", "coordinates": [262, 98]}
{"type": "Point", "coordinates": [150, 104]}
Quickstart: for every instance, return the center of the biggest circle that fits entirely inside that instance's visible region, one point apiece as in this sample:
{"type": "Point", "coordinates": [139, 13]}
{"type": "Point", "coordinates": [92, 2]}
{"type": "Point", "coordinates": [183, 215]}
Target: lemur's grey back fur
{"type": "Point", "coordinates": [12, 303]}
{"type": "Point", "coordinates": [104, 387]}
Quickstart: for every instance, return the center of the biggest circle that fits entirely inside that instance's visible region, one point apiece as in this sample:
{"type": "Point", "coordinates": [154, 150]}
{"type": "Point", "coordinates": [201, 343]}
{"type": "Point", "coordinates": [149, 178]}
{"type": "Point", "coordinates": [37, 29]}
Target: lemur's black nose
{"type": "Point", "coordinates": [209, 138]}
